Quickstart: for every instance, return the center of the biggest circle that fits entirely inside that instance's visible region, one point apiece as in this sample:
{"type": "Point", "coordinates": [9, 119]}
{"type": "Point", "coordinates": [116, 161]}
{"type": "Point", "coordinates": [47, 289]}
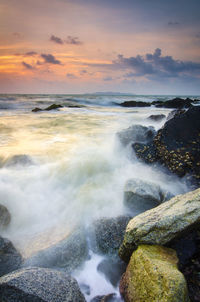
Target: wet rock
{"type": "Point", "coordinates": [152, 275]}
{"type": "Point", "coordinates": [5, 217]}
{"type": "Point", "coordinates": [146, 152]}
{"type": "Point", "coordinates": [10, 259]}
{"type": "Point", "coordinates": [178, 144]}
{"type": "Point", "coordinates": [85, 289]}
{"type": "Point", "coordinates": [112, 269]}
{"type": "Point", "coordinates": [174, 113]}
{"type": "Point", "coordinates": [19, 159]}
{"type": "Point", "coordinates": [174, 103]}
{"type": "Point", "coordinates": [67, 255]}
{"type": "Point", "coordinates": [162, 224]}
{"type": "Point", "coordinates": [36, 109]}
{"type": "Point", "coordinates": [38, 285]}
{"type": "Point", "coordinates": [140, 196]}
{"type": "Point", "coordinates": [107, 298]}
{"type": "Point", "coordinates": [156, 117]}
{"type": "Point", "coordinates": [136, 133]}
{"type": "Point", "coordinates": [53, 107]}
{"type": "Point", "coordinates": [135, 104]}
{"type": "Point", "coordinates": [107, 234]}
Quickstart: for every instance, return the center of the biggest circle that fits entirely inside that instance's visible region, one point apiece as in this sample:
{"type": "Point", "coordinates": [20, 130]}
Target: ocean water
{"type": "Point", "coordinates": [66, 167]}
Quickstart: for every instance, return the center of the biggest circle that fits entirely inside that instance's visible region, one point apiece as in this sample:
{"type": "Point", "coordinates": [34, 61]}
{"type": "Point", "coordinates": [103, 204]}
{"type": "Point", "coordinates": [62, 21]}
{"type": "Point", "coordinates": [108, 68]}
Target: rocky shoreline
{"type": "Point", "coordinates": [158, 248]}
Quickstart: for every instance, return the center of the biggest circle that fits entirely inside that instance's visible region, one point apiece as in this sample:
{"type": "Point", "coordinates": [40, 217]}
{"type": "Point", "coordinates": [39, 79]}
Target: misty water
{"type": "Point", "coordinates": [73, 169]}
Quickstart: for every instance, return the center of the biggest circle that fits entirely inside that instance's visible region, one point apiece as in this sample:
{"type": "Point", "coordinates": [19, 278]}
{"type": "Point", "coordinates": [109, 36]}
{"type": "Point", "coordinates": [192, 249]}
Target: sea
{"type": "Point", "coordinates": [66, 167]}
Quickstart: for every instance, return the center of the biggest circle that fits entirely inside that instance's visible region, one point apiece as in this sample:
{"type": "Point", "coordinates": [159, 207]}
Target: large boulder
{"type": "Point", "coordinates": [39, 285]}
{"type": "Point", "coordinates": [19, 159]}
{"type": "Point", "coordinates": [10, 259]}
{"type": "Point", "coordinates": [135, 104]}
{"type": "Point", "coordinates": [174, 103]}
{"type": "Point", "coordinates": [5, 217]}
{"type": "Point", "coordinates": [176, 145]}
{"type": "Point", "coordinates": [162, 224]}
{"type": "Point", "coordinates": [152, 275]}
{"type": "Point", "coordinates": [136, 133]}
{"type": "Point", "coordinates": [106, 234]}
{"type": "Point", "coordinates": [140, 195]}
{"type": "Point", "coordinates": [156, 117]}
{"type": "Point", "coordinates": [67, 254]}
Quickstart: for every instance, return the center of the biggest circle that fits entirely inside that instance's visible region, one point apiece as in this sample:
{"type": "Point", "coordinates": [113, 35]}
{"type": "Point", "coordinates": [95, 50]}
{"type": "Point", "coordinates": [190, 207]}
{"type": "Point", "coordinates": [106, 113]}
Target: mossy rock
{"type": "Point", "coordinates": [152, 275]}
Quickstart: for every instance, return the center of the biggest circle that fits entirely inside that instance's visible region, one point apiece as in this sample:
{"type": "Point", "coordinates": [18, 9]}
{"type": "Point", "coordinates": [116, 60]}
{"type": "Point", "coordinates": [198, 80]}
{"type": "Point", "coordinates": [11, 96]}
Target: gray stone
{"type": "Point", "coordinates": [39, 285]}
{"type": "Point", "coordinates": [136, 134]}
{"type": "Point", "coordinates": [10, 259]}
{"type": "Point", "coordinates": [5, 217]}
{"type": "Point", "coordinates": [107, 234]}
{"type": "Point", "coordinates": [68, 254]}
{"type": "Point", "coordinates": [162, 224]}
{"type": "Point", "coordinates": [140, 195]}
{"type": "Point", "coordinates": [19, 159]}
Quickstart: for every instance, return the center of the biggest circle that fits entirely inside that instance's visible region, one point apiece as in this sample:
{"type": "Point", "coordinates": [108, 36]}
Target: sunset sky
{"type": "Point", "coordinates": [80, 46]}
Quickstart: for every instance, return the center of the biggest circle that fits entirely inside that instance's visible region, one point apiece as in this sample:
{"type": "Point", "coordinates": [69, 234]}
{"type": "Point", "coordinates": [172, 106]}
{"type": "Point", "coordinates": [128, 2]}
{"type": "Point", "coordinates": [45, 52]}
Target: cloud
{"type": "Point", "coordinates": [83, 71]}
{"type": "Point", "coordinates": [71, 76]}
{"type": "Point", "coordinates": [156, 65]}
{"type": "Point", "coordinates": [56, 40]}
{"type": "Point", "coordinates": [106, 79]}
{"type": "Point", "coordinates": [27, 66]}
{"type": "Point", "coordinates": [73, 40]}
{"type": "Point", "coordinates": [173, 23]}
{"type": "Point", "coordinates": [48, 58]}
{"type": "Point", "coordinates": [31, 53]}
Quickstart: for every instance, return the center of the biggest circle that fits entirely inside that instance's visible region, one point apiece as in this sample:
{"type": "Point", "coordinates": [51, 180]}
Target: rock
{"type": "Point", "coordinates": [146, 152]}
{"type": "Point", "coordinates": [162, 224]}
{"type": "Point", "coordinates": [174, 103]}
{"type": "Point", "coordinates": [174, 113]}
{"type": "Point", "coordinates": [10, 259]}
{"type": "Point", "coordinates": [85, 289]}
{"type": "Point", "coordinates": [39, 285]}
{"type": "Point", "coordinates": [136, 133]}
{"type": "Point", "coordinates": [178, 144]}
{"type": "Point", "coordinates": [152, 275]}
{"type": "Point", "coordinates": [19, 159]}
{"type": "Point", "coordinates": [112, 269]}
{"type": "Point", "coordinates": [5, 217]}
{"type": "Point", "coordinates": [140, 195]}
{"type": "Point", "coordinates": [36, 109]}
{"type": "Point", "coordinates": [107, 234]}
{"type": "Point", "coordinates": [53, 107]}
{"type": "Point", "coordinates": [135, 104]}
{"type": "Point", "coordinates": [156, 117]}
{"type": "Point", "coordinates": [68, 254]}
{"type": "Point", "coordinates": [107, 298]}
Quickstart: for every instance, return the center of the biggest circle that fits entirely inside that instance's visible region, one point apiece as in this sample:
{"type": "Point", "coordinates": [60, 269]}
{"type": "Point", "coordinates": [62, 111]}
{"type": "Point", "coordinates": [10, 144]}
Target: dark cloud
{"type": "Point", "coordinates": [48, 58]}
{"type": "Point", "coordinates": [83, 71]}
{"type": "Point", "coordinates": [27, 66]}
{"type": "Point", "coordinates": [156, 65]}
{"type": "Point", "coordinates": [56, 40]}
{"type": "Point", "coordinates": [107, 79]}
{"type": "Point", "coordinates": [31, 53]}
{"type": "Point", "coordinates": [171, 23]}
{"type": "Point", "coordinates": [73, 40]}
{"type": "Point", "coordinates": [71, 76]}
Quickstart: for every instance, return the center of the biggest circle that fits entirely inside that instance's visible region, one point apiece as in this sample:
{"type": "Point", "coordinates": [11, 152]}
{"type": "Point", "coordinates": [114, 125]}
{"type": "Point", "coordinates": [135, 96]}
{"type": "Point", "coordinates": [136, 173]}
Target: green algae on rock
{"type": "Point", "coordinates": [162, 224]}
{"type": "Point", "coordinates": [152, 275]}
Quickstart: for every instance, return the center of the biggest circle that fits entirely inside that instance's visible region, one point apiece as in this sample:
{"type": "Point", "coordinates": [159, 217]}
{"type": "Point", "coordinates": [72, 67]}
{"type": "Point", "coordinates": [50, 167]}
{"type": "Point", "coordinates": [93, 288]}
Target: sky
{"type": "Point", "coordinates": [80, 46]}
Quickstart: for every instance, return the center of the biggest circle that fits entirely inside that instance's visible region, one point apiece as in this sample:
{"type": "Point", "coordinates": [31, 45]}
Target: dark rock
{"type": "Point", "coordinates": [157, 117]}
{"type": "Point", "coordinates": [53, 107]}
{"type": "Point", "coordinates": [146, 152]}
{"type": "Point", "coordinates": [178, 143]}
{"type": "Point", "coordinates": [140, 196]}
{"type": "Point", "coordinates": [39, 285]}
{"type": "Point", "coordinates": [107, 298]}
{"type": "Point", "coordinates": [174, 103]}
{"type": "Point", "coordinates": [136, 133]}
{"type": "Point", "coordinates": [19, 159]}
{"type": "Point", "coordinates": [112, 269]}
{"type": "Point", "coordinates": [67, 255]}
{"type": "Point", "coordinates": [174, 113]}
{"type": "Point", "coordinates": [135, 104]}
{"type": "Point", "coordinates": [5, 217]}
{"type": "Point", "coordinates": [107, 234]}
{"type": "Point", "coordinates": [10, 259]}
{"type": "Point", "coordinates": [36, 109]}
